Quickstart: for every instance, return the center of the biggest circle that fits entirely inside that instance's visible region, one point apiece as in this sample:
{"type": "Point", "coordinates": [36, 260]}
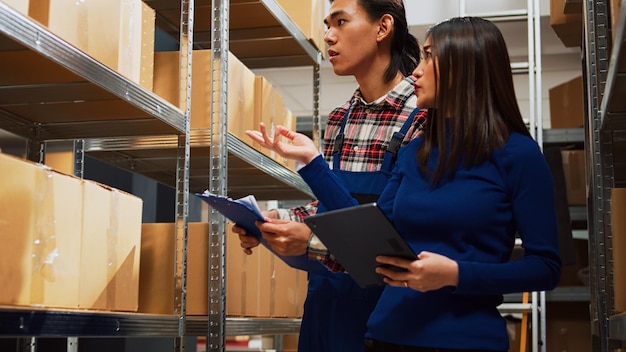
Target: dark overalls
{"type": "Point", "coordinates": [336, 308]}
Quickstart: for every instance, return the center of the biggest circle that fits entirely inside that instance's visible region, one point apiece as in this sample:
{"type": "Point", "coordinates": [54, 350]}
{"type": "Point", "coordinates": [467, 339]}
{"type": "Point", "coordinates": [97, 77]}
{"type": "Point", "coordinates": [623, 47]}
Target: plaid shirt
{"type": "Point", "coordinates": [367, 133]}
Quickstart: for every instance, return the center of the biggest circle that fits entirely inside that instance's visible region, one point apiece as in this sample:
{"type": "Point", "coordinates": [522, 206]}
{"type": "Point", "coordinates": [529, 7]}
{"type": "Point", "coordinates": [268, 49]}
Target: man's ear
{"type": "Point", "coordinates": [385, 27]}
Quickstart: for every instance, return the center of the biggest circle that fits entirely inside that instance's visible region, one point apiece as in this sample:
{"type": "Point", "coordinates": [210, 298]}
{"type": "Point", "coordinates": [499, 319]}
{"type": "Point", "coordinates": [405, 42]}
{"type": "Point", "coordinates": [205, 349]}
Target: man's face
{"type": "Point", "coordinates": [351, 38]}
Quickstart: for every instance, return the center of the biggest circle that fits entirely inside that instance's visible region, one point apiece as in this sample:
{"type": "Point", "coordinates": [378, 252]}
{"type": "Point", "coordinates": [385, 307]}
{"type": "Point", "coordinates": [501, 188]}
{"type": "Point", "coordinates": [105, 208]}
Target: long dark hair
{"type": "Point", "coordinates": [476, 107]}
{"type": "Point", "coordinates": [405, 50]}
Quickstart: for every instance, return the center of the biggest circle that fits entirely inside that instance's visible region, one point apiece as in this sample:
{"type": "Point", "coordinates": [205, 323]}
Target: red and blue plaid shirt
{"type": "Point", "coordinates": [368, 130]}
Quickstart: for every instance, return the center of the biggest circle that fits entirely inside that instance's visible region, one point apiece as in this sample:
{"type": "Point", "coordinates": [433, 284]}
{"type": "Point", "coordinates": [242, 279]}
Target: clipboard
{"type": "Point", "coordinates": [355, 236]}
{"type": "Point", "coordinates": [245, 212]}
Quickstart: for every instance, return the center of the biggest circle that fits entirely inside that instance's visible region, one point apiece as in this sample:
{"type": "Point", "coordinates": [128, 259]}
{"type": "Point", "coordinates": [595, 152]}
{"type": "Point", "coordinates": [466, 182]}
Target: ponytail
{"type": "Point", "coordinates": [405, 50]}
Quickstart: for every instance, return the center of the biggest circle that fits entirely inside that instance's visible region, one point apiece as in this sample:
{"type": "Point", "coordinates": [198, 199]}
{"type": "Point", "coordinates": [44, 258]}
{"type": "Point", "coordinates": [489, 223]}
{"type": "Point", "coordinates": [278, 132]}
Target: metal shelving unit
{"type": "Point", "coordinates": [26, 322]}
{"type": "Point", "coordinates": [248, 169]}
{"type": "Point", "coordinates": [604, 67]}
{"type": "Point", "coordinates": [85, 100]}
{"type": "Point", "coordinates": [260, 34]}
{"type": "Point", "coordinates": [118, 121]}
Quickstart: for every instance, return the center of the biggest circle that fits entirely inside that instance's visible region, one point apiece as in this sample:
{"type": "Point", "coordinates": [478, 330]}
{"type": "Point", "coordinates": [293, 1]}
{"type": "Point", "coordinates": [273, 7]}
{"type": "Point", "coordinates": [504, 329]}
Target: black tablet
{"type": "Point", "coordinates": [355, 236]}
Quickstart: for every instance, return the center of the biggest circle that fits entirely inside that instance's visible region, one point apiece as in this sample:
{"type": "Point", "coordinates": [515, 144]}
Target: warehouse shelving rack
{"type": "Point", "coordinates": [129, 125]}
{"type": "Point", "coordinates": [604, 69]}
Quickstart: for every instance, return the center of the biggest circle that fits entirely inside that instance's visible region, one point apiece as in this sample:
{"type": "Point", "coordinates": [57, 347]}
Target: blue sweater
{"type": "Point", "coordinates": [471, 219]}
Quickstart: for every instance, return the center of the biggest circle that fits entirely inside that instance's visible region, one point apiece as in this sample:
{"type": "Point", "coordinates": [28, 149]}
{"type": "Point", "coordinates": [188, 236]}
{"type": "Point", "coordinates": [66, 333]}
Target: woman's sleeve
{"type": "Point", "coordinates": [530, 185]}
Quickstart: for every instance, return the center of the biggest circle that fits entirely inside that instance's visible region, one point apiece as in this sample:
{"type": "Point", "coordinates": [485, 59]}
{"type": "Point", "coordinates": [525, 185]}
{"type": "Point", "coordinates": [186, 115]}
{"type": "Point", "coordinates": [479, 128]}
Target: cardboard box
{"type": "Point", "coordinates": [575, 179]}
{"type": "Point", "coordinates": [254, 283]}
{"type": "Point", "coordinates": [567, 26]}
{"type": "Point", "coordinates": [290, 123]}
{"type": "Point", "coordinates": [268, 108]}
{"type": "Point", "coordinates": [568, 327]}
{"type": "Point", "coordinates": [618, 223]}
{"type": "Point", "coordinates": [109, 273]}
{"type": "Point", "coordinates": [249, 279]}
{"type": "Point", "coordinates": [615, 8]}
{"type": "Point", "coordinates": [156, 284]}
{"type": "Point", "coordinates": [70, 243]}
{"type": "Point", "coordinates": [111, 31]}
{"type": "Point", "coordinates": [566, 104]}
{"type": "Point", "coordinates": [19, 5]}
{"type": "Point", "coordinates": [40, 230]}
{"type": "Point", "coordinates": [308, 15]}
{"type": "Point", "coordinates": [240, 93]}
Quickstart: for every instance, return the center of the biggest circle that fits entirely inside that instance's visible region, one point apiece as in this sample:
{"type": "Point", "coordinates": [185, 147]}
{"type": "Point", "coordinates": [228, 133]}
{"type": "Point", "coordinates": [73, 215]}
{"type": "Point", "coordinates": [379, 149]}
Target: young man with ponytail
{"type": "Point", "coordinates": [370, 40]}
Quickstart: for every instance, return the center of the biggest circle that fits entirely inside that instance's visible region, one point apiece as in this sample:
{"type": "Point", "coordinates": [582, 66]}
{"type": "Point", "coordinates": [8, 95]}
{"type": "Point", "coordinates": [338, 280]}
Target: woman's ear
{"type": "Point", "coordinates": [385, 27]}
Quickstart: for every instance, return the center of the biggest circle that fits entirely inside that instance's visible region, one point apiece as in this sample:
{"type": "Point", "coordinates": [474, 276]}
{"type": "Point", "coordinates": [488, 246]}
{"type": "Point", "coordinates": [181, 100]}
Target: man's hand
{"type": "Point", "coordinates": [286, 237]}
{"type": "Point", "coordinates": [248, 242]}
{"type": "Point", "coordinates": [298, 146]}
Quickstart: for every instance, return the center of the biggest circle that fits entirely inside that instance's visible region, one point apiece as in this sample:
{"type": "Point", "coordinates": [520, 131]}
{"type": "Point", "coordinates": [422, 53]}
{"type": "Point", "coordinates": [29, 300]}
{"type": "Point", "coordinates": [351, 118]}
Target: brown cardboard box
{"type": "Point", "coordinates": [240, 98]}
{"type": "Point", "coordinates": [568, 327]}
{"type": "Point", "coordinates": [268, 107]}
{"type": "Point", "coordinates": [19, 5]}
{"type": "Point", "coordinates": [156, 283]}
{"type": "Point", "coordinates": [618, 223]}
{"type": "Point", "coordinates": [254, 284]}
{"type": "Point", "coordinates": [28, 67]}
{"type": "Point", "coordinates": [290, 123]}
{"type": "Point", "coordinates": [109, 271]}
{"type": "Point", "coordinates": [248, 279]}
{"type": "Point", "coordinates": [566, 104]}
{"type": "Point", "coordinates": [40, 230]}
{"type": "Point", "coordinates": [290, 343]}
{"type": "Point", "coordinates": [615, 8]}
{"type": "Point", "coordinates": [575, 181]}
{"type": "Point", "coordinates": [70, 243]}
{"type": "Point", "coordinates": [308, 15]}
{"type": "Point", "coordinates": [240, 93]}
{"type": "Point", "coordinates": [570, 273]}
{"type": "Point", "coordinates": [567, 26]}
{"type": "Point", "coordinates": [285, 290]}
{"type": "Point", "coordinates": [110, 31]}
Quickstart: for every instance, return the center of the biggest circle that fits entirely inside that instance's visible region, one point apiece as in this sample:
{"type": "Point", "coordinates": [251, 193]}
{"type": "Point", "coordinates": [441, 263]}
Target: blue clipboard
{"type": "Point", "coordinates": [245, 212]}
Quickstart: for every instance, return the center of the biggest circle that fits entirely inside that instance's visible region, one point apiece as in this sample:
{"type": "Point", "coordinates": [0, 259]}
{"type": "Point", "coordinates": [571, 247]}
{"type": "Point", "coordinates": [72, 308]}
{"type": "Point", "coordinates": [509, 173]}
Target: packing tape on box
{"type": "Point", "coordinates": [112, 246]}
{"type": "Point", "coordinates": [82, 25]}
{"type": "Point", "coordinates": [272, 286]}
{"type": "Point", "coordinates": [44, 244]}
{"type": "Point", "coordinates": [244, 287]}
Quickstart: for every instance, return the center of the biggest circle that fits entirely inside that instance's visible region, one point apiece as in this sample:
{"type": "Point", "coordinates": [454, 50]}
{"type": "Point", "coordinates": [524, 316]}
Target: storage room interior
{"type": "Point", "coordinates": [110, 128]}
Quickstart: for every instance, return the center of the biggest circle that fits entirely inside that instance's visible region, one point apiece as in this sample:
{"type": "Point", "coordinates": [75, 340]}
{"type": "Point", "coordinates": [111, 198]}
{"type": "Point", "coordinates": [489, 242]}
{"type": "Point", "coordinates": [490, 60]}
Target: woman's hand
{"type": "Point", "coordinates": [298, 146]}
{"type": "Point", "coordinates": [429, 272]}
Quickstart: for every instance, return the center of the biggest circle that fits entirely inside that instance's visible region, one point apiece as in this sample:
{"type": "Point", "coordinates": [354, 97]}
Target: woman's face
{"type": "Point", "coordinates": [426, 82]}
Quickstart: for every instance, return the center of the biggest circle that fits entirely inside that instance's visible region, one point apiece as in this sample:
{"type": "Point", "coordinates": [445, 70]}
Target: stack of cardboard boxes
{"type": "Point", "coordinates": [257, 285]}
{"type": "Point", "coordinates": [567, 111]}
{"type": "Point", "coordinates": [251, 99]}
{"type": "Point", "coordinates": [72, 243]}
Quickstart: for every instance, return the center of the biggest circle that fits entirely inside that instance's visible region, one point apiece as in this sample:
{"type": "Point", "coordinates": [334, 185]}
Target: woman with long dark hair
{"type": "Point", "coordinates": [459, 195]}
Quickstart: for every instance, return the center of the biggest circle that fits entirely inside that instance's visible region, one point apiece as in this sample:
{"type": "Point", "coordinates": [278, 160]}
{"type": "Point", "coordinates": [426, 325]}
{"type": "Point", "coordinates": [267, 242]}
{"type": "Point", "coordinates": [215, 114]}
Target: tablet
{"type": "Point", "coordinates": [355, 236]}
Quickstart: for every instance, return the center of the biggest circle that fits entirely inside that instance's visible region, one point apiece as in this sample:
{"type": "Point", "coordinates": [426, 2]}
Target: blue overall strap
{"type": "Point", "coordinates": [339, 139]}
{"type": "Point", "coordinates": [396, 142]}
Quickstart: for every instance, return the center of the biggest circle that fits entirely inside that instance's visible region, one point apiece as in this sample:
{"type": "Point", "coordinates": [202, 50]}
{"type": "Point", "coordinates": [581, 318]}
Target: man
{"type": "Point", "coordinates": [367, 39]}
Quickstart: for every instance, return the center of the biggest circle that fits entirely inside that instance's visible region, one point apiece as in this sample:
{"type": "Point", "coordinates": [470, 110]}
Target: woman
{"type": "Point", "coordinates": [458, 195]}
